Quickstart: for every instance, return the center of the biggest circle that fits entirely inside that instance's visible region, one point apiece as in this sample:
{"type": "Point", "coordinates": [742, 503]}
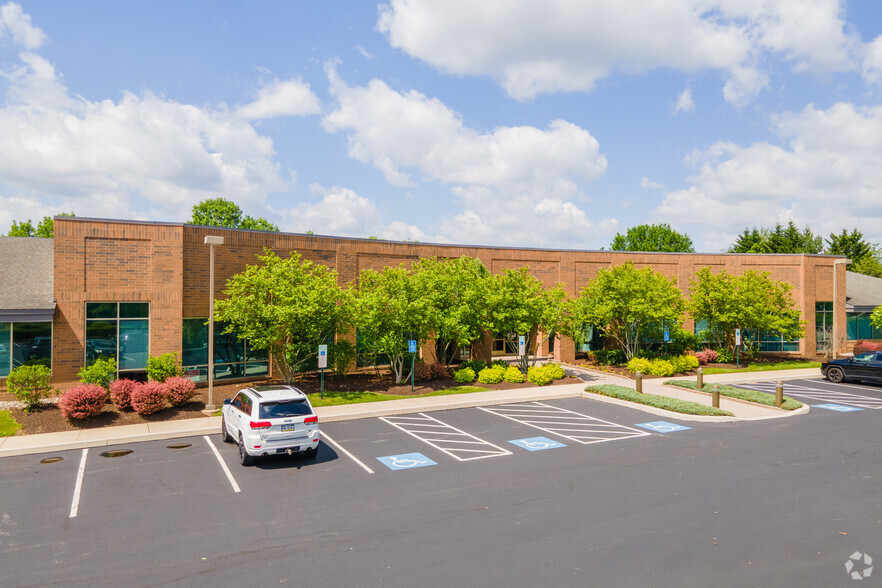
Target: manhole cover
{"type": "Point", "coordinates": [116, 453]}
{"type": "Point", "coordinates": [51, 460]}
{"type": "Point", "coordinates": [180, 445]}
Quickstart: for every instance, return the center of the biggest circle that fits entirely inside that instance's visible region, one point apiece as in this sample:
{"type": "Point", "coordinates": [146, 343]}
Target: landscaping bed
{"type": "Point", "coordinates": [360, 387]}
{"type": "Point", "coordinates": [755, 396]}
{"type": "Point", "coordinates": [663, 402]}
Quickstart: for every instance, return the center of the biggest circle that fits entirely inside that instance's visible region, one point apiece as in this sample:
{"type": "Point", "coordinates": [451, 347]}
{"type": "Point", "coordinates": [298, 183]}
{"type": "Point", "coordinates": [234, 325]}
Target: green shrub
{"type": "Point", "coordinates": [476, 365]}
{"type": "Point", "coordinates": [662, 367]}
{"type": "Point", "coordinates": [499, 363]}
{"type": "Point", "coordinates": [515, 375]}
{"type": "Point", "coordinates": [663, 402]}
{"type": "Point", "coordinates": [491, 375]}
{"type": "Point", "coordinates": [739, 393]}
{"type": "Point", "coordinates": [724, 355]}
{"type": "Point", "coordinates": [640, 364]}
{"type": "Point", "coordinates": [464, 376]}
{"type": "Point", "coordinates": [610, 357]}
{"type": "Point", "coordinates": [342, 354]}
{"type": "Point", "coordinates": [539, 376]}
{"type": "Point", "coordinates": [162, 367]}
{"type": "Point", "coordinates": [102, 372]}
{"type": "Point", "coordinates": [684, 363]}
{"type": "Point", "coordinates": [29, 384]}
{"type": "Point", "coordinates": [555, 371]}
{"type": "Point", "coordinates": [653, 367]}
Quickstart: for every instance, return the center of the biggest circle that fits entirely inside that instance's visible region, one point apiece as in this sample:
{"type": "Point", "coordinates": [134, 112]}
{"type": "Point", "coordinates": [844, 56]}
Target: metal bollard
{"type": "Point", "coordinates": [716, 396]}
{"type": "Point", "coordinates": [700, 382]}
{"type": "Point", "coordinates": [639, 376]}
{"type": "Point", "coordinates": [779, 393]}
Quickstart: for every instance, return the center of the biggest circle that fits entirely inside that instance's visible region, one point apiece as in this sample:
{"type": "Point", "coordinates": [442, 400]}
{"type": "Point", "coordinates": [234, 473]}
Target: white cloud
{"type": "Point", "coordinates": [532, 47]}
{"type": "Point", "coordinates": [827, 174]}
{"type": "Point", "coordinates": [15, 23]}
{"type": "Point", "coordinates": [139, 154]}
{"type": "Point", "coordinates": [506, 178]}
{"type": "Point", "coordinates": [282, 98]}
{"type": "Point", "coordinates": [646, 183]}
{"type": "Point", "coordinates": [684, 102]}
{"type": "Point", "coordinates": [364, 52]}
{"type": "Point", "coordinates": [872, 63]}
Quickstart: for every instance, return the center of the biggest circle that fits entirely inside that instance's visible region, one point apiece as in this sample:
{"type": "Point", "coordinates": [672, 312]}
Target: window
{"type": "Point", "coordinates": [24, 344]}
{"type": "Point", "coordinates": [860, 327]}
{"type": "Point", "coordinates": [505, 344]}
{"type": "Point", "coordinates": [283, 408]}
{"type": "Point", "coordinates": [823, 326]}
{"type": "Point", "coordinates": [120, 331]}
{"type": "Point", "coordinates": [233, 357]}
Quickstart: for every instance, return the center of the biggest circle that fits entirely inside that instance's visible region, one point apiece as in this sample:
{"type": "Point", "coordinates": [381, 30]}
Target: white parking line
{"type": "Point", "coordinates": [445, 438]}
{"type": "Point", "coordinates": [327, 438]}
{"type": "Point", "coordinates": [222, 464]}
{"type": "Point", "coordinates": [821, 394]}
{"type": "Point", "coordinates": [78, 487]}
{"type": "Point", "coordinates": [577, 427]}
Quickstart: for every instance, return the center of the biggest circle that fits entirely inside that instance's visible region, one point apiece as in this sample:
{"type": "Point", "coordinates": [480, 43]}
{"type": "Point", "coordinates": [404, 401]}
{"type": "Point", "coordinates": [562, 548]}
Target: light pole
{"type": "Point", "coordinates": [835, 300]}
{"type": "Point", "coordinates": [211, 242]}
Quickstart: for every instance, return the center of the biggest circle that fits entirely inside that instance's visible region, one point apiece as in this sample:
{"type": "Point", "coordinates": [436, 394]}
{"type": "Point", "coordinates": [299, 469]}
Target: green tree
{"type": "Point", "coordinates": [287, 306]}
{"type": "Point", "coordinates": [46, 228]}
{"type": "Point", "coordinates": [876, 317]}
{"type": "Point", "coordinates": [781, 239]}
{"type": "Point", "coordinates": [652, 238]}
{"type": "Point", "coordinates": [865, 257]}
{"type": "Point", "coordinates": [518, 304]}
{"type": "Point", "coordinates": [220, 212]}
{"type": "Point", "coordinates": [629, 304]}
{"type": "Point", "coordinates": [750, 301]}
{"type": "Point", "coordinates": [458, 292]}
{"type": "Point", "coordinates": [870, 265]}
{"type": "Point", "coordinates": [389, 308]}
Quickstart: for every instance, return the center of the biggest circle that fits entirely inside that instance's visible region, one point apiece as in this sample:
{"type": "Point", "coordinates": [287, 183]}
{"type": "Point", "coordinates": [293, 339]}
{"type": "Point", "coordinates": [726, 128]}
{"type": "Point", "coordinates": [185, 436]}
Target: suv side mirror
{"type": "Point", "coordinates": [228, 401]}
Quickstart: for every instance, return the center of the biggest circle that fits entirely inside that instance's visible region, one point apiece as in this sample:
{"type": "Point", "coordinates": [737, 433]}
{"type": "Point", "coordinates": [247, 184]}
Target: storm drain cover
{"type": "Point", "coordinates": [51, 460]}
{"type": "Point", "coordinates": [116, 453]}
{"type": "Point", "coordinates": [180, 445]}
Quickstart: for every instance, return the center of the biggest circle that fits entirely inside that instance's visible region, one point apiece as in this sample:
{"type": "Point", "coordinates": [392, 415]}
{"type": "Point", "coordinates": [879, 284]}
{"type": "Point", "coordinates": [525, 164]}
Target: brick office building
{"type": "Point", "coordinates": [129, 289]}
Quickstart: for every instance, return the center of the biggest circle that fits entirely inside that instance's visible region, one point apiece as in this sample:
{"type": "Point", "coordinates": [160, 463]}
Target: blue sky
{"type": "Point", "coordinates": [503, 122]}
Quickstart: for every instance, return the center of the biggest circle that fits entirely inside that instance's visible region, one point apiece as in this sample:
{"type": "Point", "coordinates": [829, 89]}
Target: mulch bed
{"type": "Point", "coordinates": [49, 419]}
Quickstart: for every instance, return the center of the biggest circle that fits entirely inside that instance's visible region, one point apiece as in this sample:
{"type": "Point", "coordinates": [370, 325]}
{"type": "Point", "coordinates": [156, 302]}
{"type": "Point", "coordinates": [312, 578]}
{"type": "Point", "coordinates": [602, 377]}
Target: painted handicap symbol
{"type": "Point", "coordinates": [537, 443]}
{"type": "Point", "coordinates": [406, 461]}
{"type": "Point", "coordinates": [663, 427]}
{"type": "Point", "coordinates": [837, 407]}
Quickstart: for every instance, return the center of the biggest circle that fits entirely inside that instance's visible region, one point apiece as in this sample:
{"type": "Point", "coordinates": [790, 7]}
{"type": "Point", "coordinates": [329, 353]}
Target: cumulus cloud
{"type": "Point", "coordinates": [282, 98]}
{"type": "Point", "coordinates": [569, 45]}
{"type": "Point", "coordinates": [135, 155]}
{"type": "Point", "coordinates": [826, 173]}
{"type": "Point", "coordinates": [684, 102]}
{"type": "Point", "coordinates": [505, 177]}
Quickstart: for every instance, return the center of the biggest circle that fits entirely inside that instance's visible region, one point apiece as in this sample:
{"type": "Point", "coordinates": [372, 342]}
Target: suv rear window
{"type": "Point", "coordinates": [283, 408]}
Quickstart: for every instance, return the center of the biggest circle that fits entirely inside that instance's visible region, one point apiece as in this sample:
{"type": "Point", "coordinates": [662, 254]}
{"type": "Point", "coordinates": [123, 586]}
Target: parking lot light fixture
{"type": "Point", "coordinates": [211, 241]}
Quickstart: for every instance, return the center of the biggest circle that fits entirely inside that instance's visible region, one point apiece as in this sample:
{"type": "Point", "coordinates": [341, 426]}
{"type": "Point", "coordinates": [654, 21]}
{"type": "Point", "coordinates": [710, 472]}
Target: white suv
{"type": "Point", "coordinates": [269, 420]}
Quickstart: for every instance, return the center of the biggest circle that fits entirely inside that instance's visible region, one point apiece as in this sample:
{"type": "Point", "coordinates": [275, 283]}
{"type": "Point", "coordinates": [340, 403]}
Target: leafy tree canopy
{"type": "Point", "coordinates": [865, 257]}
{"type": "Point", "coordinates": [628, 304]}
{"type": "Point", "coordinates": [750, 301]}
{"type": "Point", "coordinates": [652, 238]}
{"type": "Point", "coordinates": [287, 306]}
{"type": "Point", "coordinates": [220, 212]}
{"type": "Point", "coordinates": [876, 317]}
{"type": "Point", "coordinates": [46, 228]}
{"type": "Point", "coordinates": [780, 239]}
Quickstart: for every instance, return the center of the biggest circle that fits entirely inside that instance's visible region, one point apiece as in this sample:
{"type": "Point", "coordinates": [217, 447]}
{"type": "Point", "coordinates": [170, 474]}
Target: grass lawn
{"type": "Point", "coordinates": [732, 392]}
{"type": "Point", "coordinates": [765, 367]}
{"type": "Point", "coordinates": [664, 402]}
{"type": "Point", "coordinates": [8, 425]}
{"type": "Point", "coordinates": [337, 398]}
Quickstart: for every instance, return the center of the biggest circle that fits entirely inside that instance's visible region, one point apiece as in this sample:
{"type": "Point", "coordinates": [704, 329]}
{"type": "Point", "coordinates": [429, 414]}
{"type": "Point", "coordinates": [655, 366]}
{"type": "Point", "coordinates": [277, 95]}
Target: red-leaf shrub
{"type": "Point", "coordinates": [701, 356]}
{"type": "Point", "coordinates": [121, 392]}
{"type": "Point", "coordinates": [83, 401]}
{"type": "Point", "coordinates": [180, 390]}
{"type": "Point", "coordinates": [865, 346]}
{"type": "Point", "coordinates": [712, 355]}
{"type": "Point", "coordinates": [149, 397]}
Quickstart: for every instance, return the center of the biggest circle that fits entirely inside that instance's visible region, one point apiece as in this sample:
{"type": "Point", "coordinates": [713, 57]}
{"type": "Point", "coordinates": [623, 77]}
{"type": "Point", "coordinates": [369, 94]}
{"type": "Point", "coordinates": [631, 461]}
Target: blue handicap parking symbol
{"type": "Point", "coordinates": [837, 407]}
{"type": "Point", "coordinates": [406, 461]}
{"type": "Point", "coordinates": [663, 427]}
{"type": "Point", "coordinates": [537, 443]}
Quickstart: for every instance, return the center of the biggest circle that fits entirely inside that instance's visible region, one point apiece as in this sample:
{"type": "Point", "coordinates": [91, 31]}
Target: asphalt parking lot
{"type": "Point", "coordinates": [559, 493]}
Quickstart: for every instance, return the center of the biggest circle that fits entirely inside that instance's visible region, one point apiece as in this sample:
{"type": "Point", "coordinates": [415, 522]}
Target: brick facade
{"type": "Point", "coordinates": [166, 264]}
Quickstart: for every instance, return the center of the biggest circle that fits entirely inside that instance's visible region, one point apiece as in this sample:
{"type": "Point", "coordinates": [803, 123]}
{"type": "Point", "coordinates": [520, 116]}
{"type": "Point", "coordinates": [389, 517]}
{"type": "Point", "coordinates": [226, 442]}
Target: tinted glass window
{"type": "Point", "coordinates": [237, 401]}
{"type": "Point", "coordinates": [133, 309]}
{"type": "Point", "coordinates": [282, 409]}
{"type": "Point", "coordinates": [864, 357]}
{"type": "Point", "coordinates": [101, 310]}
{"type": "Point", "coordinates": [133, 344]}
{"type": "Point", "coordinates": [5, 348]}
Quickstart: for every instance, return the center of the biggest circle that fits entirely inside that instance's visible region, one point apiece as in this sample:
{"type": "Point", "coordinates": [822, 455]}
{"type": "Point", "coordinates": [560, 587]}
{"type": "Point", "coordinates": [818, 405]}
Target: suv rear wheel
{"type": "Point", "coordinates": [310, 452]}
{"type": "Point", "coordinates": [244, 458]}
{"type": "Point", "coordinates": [835, 374]}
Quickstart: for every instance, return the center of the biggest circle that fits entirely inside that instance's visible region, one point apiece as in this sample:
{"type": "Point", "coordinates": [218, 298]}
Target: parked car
{"type": "Point", "coordinates": [270, 420]}
{"type": "Point", "coordinates": [863, 367]}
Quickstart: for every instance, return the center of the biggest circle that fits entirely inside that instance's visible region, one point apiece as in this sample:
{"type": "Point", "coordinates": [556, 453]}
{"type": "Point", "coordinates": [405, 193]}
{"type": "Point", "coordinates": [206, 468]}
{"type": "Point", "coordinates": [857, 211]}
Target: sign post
{"type": "Point", "coordinates": [411, 347]}
{"type": "Point", "coordinates": [522, 351]}
{"type": "Point", "coordinates": [323, 363]}
{"type": "Point", "coordinates": [667, 340]}
{"type": "Point", "coordinates": [737, 347]}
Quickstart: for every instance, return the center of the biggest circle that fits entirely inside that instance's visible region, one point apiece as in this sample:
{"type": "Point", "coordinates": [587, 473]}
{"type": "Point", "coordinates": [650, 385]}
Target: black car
{"type": "Point", "coordinates": [863, 366]}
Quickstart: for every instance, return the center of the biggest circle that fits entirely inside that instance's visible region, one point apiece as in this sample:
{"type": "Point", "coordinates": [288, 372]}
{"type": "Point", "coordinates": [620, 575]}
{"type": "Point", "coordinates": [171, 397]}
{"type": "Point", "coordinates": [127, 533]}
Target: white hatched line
{"type": "Point", "coordinates": [554, 428]}
{"type": "Point", "coordinates": [457, 441]}
{"type": "Point", "coordinates": [78, 487]}
{"type": "Point", "coordinates": [451, 451]}
{"type": "Point", "coordinates": [846, 398]}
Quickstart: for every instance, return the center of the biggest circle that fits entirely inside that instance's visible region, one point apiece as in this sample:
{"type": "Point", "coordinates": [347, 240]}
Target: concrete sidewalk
{"type": "Point", "coordinates": [66, 440]}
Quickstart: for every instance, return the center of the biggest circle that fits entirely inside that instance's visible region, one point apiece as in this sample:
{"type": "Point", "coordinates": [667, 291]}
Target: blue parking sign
{"type": "Point", "coordinates": [411, 346]}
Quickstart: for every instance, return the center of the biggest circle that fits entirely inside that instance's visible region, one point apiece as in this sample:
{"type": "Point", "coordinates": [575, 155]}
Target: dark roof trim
{"type": "Point", "coordinates": [29, 315]}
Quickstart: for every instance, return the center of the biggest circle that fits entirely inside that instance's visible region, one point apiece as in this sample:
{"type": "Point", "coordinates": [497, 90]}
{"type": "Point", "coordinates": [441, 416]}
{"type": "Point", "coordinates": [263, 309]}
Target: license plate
{"type": "Point", "coordinates": [289, 428]}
